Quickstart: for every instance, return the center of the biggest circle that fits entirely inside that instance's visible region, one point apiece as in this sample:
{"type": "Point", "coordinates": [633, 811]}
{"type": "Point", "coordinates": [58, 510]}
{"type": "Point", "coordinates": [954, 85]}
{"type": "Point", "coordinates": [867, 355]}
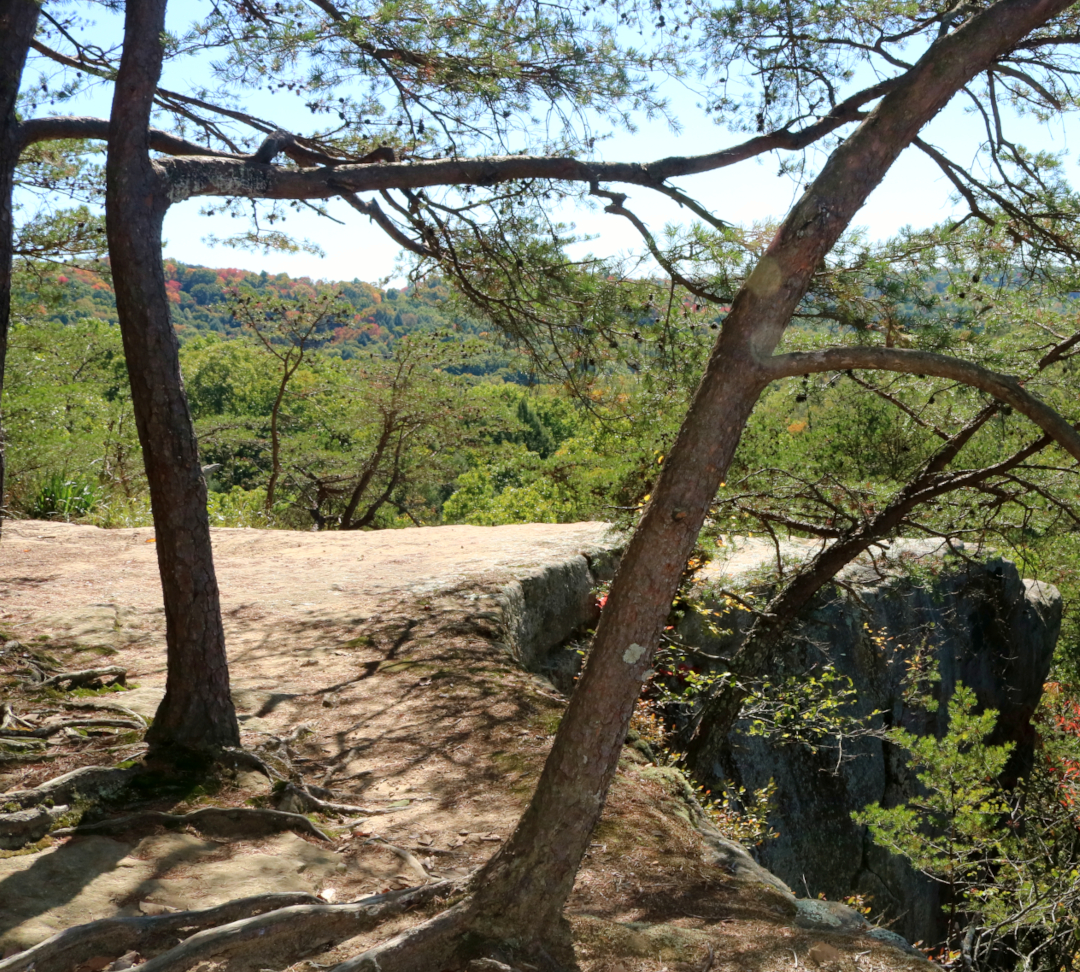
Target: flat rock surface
{"type": "Point", "coordinates": [339, 632]}
{"type": "Point", "coordinates": [98, 877]}
{"type": "Point", "coordinates": [282, 591]}
{"type": "Point", "coordinates": [89, 583]}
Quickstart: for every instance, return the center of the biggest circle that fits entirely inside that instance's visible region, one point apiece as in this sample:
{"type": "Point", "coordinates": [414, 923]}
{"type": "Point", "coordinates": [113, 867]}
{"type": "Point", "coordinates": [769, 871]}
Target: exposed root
{"type": "Point", "coordinates": [52, 728]}
{"type": "Point", "coordinates": [110, 706]}
{"type": "Point", "coordinates": [278, 749]}
{"type": "Point", "coordinates": [244, 759]}
{"type": "Point", "coordinates": [90, 780]}
{"type": "Point", "coordinates": [26, 755]}
{"type": "Point", "coordinates": [88, 678]}
{"type": "Point", "coordinates": [114, 936]}
{"type": "Point", "coordinates": [431, 945]}
{"type": "Point", "coordinates": [292, 932]}
{"type": "Point", "coordinates": [299, 799]}
{"type": "Point", "coordinates": [229, 819]}
{"type": "Point", "coordinates": [462, 937]}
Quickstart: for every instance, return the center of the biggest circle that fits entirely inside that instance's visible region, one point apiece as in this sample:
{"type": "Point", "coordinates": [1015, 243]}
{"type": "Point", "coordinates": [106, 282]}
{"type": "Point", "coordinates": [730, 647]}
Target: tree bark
{"type": "Point", "coordinates": [522, 890]}
{"type": "Point", "coordinates": [275, 441]}
{"type": "Point", "coordinates": [370, 469]}
{"type": "Point", "coordinates": [18, 20]}
{"type": "Point", "coordinates": [197, 711]}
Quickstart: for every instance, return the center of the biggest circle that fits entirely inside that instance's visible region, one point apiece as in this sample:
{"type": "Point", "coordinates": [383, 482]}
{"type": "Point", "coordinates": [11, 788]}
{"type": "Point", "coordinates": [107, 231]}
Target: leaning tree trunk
{"type": "Point", "coordinates": [18, 19]}
{"type": "Point", "coordinates": [197, 711]}
{"type": "Point", "coordinates": [521, 892]}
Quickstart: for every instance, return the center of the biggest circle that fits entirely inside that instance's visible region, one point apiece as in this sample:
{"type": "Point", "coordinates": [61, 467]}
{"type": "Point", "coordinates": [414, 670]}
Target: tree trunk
{"type": "Point", "coordinates": [370, 469]}
{"type": "Point", "coordinates": [275, 441]}
{"type": "Point", "coordinates": [197, 711]}
{"type": "Point", "coordinates": [18, 20]}
{"type": "Point", "coordinates": [521, 892]}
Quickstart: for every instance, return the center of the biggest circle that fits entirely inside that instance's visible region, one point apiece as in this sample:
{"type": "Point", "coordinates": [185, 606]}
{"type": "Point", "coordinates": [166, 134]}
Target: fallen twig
{"type": "Point", "coordinates": [410, 859]}
{"type": "Point", "coordinates": [202, 819]}
{"type": "Point", "coordinates": [72, 946]}
{"type": "Point", "coordinates": [11, 721]}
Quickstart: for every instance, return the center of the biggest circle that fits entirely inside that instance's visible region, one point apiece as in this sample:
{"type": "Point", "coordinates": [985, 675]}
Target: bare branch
{"type": "Point", "coordinates": [220, 178]}
{"type": "Point", "coordinates": [1029, 81]}
{"type": "Point", "coordinates": [386, 224]}
{"type": "Point", "coordinates": [1006, 388]}
{"type": "Point", "coordinates": [617, 207]}
{"type": "Point", "coordinates": [906, 409]}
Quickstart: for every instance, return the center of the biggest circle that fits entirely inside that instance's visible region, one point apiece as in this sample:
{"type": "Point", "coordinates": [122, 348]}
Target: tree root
{"type": "Point", "coordinates": [464, 937]}
{"type": "Point", "coordinates": [23, 747]}
{"type": "Point", "coordinates": [111, 706]}
{"type": "Point", "coordinates": [230, 819]}
{"type": "Point", "coordinates": [300, 799]}
{"type": "Point", "coordinates": [39, 755]}
{"type": "Point", "coordinates": [85, 781]}
{"type": "Point", "coordinates": [84, 679]}
{"type": "Point", "coordinates": [236, 758]}
{"type": "Point", "coordinates": [72, 946]}
{"type": "Point", "coordinates": [292, 932]}
{"type": "Point", "coordinates": [434, 944]}
{"type": "Point", "coordinates": [52, 728]}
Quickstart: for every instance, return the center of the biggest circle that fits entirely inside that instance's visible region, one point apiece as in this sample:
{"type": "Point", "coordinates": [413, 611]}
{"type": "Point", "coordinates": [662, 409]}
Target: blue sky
{"type": "Point", "coordinates": [914, 193]}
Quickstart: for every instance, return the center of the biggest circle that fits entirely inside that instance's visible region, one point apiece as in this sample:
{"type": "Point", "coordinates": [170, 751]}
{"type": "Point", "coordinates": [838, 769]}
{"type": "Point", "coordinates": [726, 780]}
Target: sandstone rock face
{"type": "Point", "coordinates": [540, 611]}
{"type": "Point", "coordinates": [984, 625]}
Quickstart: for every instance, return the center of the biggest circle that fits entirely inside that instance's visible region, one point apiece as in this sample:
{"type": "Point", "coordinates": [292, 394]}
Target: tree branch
{"type": "Point", "coordinates": [1006, 388]}
{"type": "Point", "coordinates": [386, 224]}
{"type": "Point", "coordinates": [617, 207]}
{"type": "Point", "coordinates": [54, 129]}
{"type": "Point", "coordinates": [225, 178]}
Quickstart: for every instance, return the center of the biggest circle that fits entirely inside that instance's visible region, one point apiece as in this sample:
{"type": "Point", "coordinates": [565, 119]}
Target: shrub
{"type": "Point", "coordinates": [61, 498]}
{"type": "Point", "coordinates": [1010, 857]}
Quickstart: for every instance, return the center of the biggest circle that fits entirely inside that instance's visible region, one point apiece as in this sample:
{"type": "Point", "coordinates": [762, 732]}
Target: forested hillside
{"type": "Point", "coordinates": [200, 299]}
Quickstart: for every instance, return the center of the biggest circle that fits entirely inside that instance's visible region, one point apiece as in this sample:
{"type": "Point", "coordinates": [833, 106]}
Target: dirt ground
{"type": "Point", "coordinates": [381, 656]}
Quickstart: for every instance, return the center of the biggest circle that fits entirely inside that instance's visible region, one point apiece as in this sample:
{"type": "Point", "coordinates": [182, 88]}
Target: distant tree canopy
{"type": "Point", "coordinates": [199, 299]}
